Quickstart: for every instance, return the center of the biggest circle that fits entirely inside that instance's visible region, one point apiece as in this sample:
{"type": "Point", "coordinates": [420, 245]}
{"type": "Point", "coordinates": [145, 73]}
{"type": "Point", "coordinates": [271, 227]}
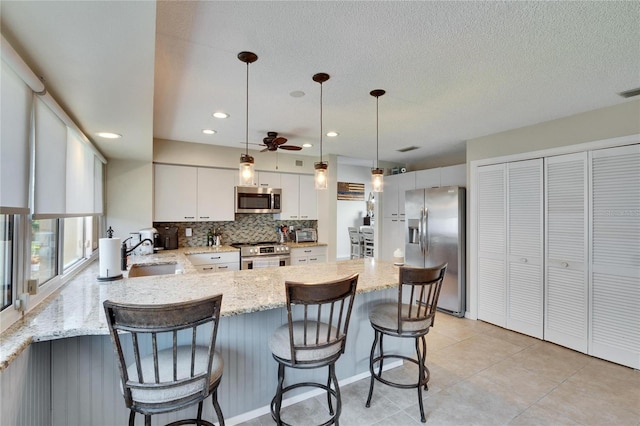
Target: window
{"type": "Point", "coordinates": [6, 260]}
{"type": "Point", "coordinates": [44, 252]}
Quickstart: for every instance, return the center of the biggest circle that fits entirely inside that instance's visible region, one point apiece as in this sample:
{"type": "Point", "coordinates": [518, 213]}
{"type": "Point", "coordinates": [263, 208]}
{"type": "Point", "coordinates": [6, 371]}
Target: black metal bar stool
{"type": "Point", "coordinates": [314, 336]}
{"type": "Point", "coordinates": [168, 361]}
{"type": "Point", "coordinates": [410, 317]}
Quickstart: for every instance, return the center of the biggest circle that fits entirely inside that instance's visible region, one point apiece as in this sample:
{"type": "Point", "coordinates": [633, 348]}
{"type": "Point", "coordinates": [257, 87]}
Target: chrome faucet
{"type": "Point", "coordinates": [124, 252]}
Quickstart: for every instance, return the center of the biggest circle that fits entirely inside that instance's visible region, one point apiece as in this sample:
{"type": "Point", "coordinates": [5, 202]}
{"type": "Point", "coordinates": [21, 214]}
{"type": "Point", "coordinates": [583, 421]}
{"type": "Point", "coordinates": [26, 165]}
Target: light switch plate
{"type": "Point", "coordinates": [188, 232]}
{"type": "Point", "coordinates": [32, 287]}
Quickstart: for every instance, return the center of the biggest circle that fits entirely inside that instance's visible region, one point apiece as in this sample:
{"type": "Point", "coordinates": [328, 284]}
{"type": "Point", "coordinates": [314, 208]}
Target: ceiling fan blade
{"type": "Point", "coordinates": [279, 141]}
{"type": "Point", "coordinates": [266, 149]}
{"type": "Point", "coordinates": [290, 147]}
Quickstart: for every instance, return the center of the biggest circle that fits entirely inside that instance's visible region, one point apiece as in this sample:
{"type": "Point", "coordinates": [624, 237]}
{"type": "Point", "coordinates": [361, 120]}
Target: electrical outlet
{"type": "Point", "coordinates": [21, 303]}
{"type": "Point", "coordinates": [32, 287]}
{"type": "Point", "coordinates": [187, 232]}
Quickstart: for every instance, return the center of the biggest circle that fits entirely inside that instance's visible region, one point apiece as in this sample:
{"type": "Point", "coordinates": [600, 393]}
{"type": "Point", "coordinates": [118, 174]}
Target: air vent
{"type": "Point", "coordinates": [409, 148]}
{"type": "Point", "coordinates": [630, 93]}
{"type": "Point", "coordinates": [299, 163]}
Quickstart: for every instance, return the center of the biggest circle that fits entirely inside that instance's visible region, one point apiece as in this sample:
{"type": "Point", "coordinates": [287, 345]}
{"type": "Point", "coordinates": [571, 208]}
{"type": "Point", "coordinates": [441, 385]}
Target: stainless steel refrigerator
{"type": "Point", "coordinates": [435, 233]}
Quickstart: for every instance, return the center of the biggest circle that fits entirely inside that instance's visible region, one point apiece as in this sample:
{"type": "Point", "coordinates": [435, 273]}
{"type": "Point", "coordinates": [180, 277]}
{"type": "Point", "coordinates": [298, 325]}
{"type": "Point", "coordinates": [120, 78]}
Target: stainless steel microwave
{"type": "Point", "coordinates": [250, 199]}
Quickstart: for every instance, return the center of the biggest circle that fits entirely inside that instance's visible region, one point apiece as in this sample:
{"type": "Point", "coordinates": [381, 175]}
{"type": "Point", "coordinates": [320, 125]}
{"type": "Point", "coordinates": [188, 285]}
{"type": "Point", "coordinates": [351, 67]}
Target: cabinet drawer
{"type": "Point", "coordinates": [218, 267]}
{"type": "Point", "coordinates": [309, 251]}
{"type": "Point", "coordinates": [213, 258]}
{"type": "Point", "coordinates": [318, 258]}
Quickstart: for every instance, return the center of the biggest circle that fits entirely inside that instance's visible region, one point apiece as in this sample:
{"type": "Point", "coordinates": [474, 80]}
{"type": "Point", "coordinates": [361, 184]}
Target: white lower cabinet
{"type": "Point", "coordinates": [393, 231]}
{"type": "Point", "coordinates": [307, 255]}
{"type": "Point", "coordinates": [215, 262]}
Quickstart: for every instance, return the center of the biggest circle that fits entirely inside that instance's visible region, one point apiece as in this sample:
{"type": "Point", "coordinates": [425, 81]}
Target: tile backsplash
{"type": "Point", "coordinates": [246, 228]}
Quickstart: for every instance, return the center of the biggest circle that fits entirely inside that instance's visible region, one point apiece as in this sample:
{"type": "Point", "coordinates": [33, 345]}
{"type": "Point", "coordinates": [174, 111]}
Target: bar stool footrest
{"type": "Point", "coordinates": [379, 378]}
{"type": "Point", "coordinates": [331, 420]}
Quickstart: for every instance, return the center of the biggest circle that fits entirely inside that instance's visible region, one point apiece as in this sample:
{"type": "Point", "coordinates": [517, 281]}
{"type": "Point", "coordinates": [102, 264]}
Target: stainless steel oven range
{"type": "Point", "coordinates": [263, 255]}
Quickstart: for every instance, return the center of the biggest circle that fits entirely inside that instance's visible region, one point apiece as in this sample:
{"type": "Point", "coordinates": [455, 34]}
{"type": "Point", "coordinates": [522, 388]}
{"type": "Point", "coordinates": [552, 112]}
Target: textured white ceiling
{"type": "Point", "coordinates": [452, 70]}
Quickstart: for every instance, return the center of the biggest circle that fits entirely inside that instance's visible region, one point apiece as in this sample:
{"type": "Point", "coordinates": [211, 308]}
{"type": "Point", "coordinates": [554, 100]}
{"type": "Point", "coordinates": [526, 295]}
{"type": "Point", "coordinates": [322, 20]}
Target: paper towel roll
{"type": "Point", "coordinates": [109, 258]}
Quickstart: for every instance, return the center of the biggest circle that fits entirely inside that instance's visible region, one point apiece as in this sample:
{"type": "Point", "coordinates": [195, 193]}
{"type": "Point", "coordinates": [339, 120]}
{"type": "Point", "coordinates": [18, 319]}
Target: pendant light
{"type": "Point", "coordinates": [321, 166]}
{"type": "Point", "coordinates": [377, 173]}
{"type": "Point", "coordinates": [246, 168]}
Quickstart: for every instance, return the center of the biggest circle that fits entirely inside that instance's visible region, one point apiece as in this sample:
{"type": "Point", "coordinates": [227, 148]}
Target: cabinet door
{"type": "Point", "coordinates": [566, 251]}
{"type": "Point", "coordinates": [491, 210]}
{"type": "Point", "coordinates": [216, 194]}
{"type": "Point", "coordinates": [269, 179]}
{"type": "Point", "coordinates": [615, 257]}
{"type": "Point", "coordinates": [308, 198]}
{"type": "Point", "coordinates": [454, 175]}
{"type": "Point", "coordinates": [175, 193]}
{"type": "Point", "coordinates": [392, 237]}
{"type": "Point", "coordinates": [390, 197]}
{"type": "Point", "coordinates": [429, 178]}
{"type": "Point", "coordinates": [524, 247]}
{"type": "Point", "coordinates": [406, 182]}
{"type": "Point", "coordinates": [290, 207]}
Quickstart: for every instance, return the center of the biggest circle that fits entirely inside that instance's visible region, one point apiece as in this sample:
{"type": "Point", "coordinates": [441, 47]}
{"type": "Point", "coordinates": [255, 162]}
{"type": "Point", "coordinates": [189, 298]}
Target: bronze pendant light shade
{"type": "Point", "coordinates": [246, 168]}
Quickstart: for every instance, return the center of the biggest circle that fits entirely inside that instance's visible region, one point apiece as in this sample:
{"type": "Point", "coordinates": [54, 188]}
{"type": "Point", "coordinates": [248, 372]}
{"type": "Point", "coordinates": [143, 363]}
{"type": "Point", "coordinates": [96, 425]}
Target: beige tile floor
{"type": "Point", "coordinates": [485, 375]}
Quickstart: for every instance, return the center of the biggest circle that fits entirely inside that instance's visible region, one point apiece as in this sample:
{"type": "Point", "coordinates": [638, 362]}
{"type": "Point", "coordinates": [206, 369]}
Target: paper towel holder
{"type": "Point", "coordinates": [114, 277]}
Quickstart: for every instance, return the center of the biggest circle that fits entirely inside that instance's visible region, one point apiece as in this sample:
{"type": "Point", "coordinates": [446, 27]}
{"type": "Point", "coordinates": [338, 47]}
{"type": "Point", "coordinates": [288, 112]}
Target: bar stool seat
{"type": "Point", "coordinates": [411, 316]}
{"type": "Point", "coordinates": [166, 356]}
{"type": "Point", "coordinates": [314, 336]}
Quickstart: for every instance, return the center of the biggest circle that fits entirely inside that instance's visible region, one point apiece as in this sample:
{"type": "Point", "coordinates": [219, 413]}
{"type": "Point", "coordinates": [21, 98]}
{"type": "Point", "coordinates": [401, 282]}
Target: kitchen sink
{"type": "Point", "coordinates": [147, 270]}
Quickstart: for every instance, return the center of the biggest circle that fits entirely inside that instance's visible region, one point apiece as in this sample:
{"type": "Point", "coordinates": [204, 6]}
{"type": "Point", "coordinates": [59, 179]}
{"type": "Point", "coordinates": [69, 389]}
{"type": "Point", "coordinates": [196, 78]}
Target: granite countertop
{"type": "Point", "coordinates": [302, 245]}
{"type": "Point", "coordinates": [76, 308]}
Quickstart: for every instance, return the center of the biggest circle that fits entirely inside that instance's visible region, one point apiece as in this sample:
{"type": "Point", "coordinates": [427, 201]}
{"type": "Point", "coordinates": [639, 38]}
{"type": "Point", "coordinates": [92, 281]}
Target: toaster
{"type": "Point", "coordinates": [306, 235]}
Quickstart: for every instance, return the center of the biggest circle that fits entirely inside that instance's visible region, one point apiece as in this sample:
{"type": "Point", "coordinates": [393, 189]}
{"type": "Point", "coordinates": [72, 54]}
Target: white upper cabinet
{"type": "Point", "coordinates": [268, 179]}
{"type": "Point", "coordinates": [393, 196]}
{"type": "Point", "coordinates": [176, 195]}
{"type": "Point", "coordinates": [442, 176]}
{"type": "Point", "coordinates": [299, 198]}
{"type": "Point", "coordinates": [190, 194]}
{"type": "Point", "coordinates": [215, 194]}
{"type": "Point", "coordinates": [308, 198]}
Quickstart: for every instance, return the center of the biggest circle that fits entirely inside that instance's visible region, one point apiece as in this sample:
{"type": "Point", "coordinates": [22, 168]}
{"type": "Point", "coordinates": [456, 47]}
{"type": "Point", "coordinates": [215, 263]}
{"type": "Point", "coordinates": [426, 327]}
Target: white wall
{"type": "Point", "coordinates": [129, 204]}
{"type": "Point", "coordinates": [605, 123]}
{"type": "Point", "coordinates": [350, 213]}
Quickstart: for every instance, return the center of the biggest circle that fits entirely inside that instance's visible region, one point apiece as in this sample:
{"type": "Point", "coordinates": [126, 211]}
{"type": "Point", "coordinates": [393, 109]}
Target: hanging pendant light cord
{"type": "Point", "coordinates": [246, 134]}
{"type": "Point", "coordinates": [377, 162]}
{"type": "Point", "coordinates": [321, 122]}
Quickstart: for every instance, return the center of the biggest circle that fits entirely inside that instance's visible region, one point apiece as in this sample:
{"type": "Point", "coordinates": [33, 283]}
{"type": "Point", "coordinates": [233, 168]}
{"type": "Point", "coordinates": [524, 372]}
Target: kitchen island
{"type": "Point", "coordinates": [64, 347]}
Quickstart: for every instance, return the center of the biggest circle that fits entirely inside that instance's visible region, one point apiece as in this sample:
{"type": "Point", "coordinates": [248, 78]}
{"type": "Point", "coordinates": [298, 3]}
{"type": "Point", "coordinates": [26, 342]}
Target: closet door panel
{"type": "Point", "coordinates": [491, 210]}
{"type": "Point", "coordinates": [566, 303]}
{"type": "Point", "coordinates": [525, 307]}
{"type": "Point", "coordinates": [615, 255]}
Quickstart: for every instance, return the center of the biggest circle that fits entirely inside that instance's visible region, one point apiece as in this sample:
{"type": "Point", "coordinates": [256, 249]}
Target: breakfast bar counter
{"type": "Point", "coordinates": [252, 307]}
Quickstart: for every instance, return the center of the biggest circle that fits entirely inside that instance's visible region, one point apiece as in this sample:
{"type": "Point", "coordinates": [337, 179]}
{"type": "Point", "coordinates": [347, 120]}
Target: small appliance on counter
{"type": "Point", "coordinates": [149, 236]}
{"type": "Point", "coordinates": [306, 235]}
{"type": "Point", "coordinates": [167, 238]}
{"type": "Point", "coordinates": [109, 252]}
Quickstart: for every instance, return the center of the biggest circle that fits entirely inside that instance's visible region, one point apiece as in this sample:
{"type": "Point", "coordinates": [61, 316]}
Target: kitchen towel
{"type": "Point", "coordinates": [109, 250]}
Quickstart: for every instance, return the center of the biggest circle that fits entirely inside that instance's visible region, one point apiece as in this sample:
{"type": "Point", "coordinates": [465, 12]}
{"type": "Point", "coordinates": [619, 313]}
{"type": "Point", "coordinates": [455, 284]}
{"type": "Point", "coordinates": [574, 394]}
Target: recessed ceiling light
{"type": "Point", "coordinates": [109, 135]}
{"type": "Point", "coordinates": [220, 114]}
{"type": "Point", "coordinates": [332, 134]}
{"type": "Point", "coordinates": [306, 145]}
{"type": "Point", "coordinates": [208, 131]}
{"type": "Point", "coordinates": [297, 94]}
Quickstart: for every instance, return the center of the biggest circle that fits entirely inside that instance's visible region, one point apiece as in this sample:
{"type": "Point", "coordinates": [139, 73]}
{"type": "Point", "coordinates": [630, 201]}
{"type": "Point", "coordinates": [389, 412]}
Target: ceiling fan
{"type": "Point", "coordinates": [273, 143]}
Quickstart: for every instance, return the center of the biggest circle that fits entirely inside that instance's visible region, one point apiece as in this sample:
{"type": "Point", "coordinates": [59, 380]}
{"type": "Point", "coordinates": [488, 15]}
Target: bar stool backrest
{"type": "Point", "coordinates": [422, 289]}
{"type": "Point", "coordinates": [165, 330]}
{"type": "Point", "coordinates": [323, 311]}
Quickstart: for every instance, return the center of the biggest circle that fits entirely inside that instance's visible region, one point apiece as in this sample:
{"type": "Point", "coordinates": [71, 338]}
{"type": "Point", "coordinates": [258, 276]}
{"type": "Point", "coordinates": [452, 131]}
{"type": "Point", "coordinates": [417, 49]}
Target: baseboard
{"type": "Point", "coordinates": [303, 396]}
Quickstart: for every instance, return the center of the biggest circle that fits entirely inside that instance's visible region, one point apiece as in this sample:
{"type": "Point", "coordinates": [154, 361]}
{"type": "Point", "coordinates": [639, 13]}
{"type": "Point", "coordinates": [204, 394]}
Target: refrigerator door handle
{"type": "Point", "coordinates": [425, 231]}
{"type": "Point", "coordinates": [420, 231]}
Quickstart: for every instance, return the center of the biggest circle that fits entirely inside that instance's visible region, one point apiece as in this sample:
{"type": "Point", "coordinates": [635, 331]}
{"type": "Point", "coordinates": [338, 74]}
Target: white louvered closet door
{"type": "Point", "coordinates": [615, 259]}
{"type": "Point", "coordinates": [492, 293]}
{"type": "Point", "coordinates": [525, 285]}
{"type": "Point", "coordinates": [566, 293]}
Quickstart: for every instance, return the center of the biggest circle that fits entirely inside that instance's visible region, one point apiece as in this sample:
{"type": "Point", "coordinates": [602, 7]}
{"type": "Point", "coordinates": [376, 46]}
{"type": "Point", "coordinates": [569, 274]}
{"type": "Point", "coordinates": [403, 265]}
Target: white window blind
{"type": "Point", "coordinates": [98, 200]}
{"type": "Point", "coordinates": [50, 163]}
{"type": "Point", "coordinates": [80, 177]}
{"type": "Point", "coordinates": [14, 140]}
